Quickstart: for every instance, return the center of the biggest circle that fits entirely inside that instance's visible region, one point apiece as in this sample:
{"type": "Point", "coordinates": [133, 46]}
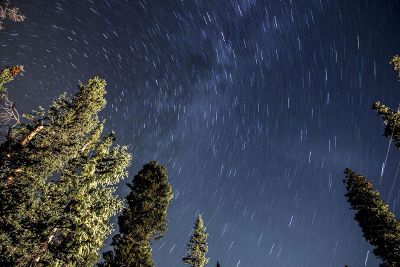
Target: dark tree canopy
{"type": "Point", "coordinates": [143, 220]}
{"type": "Point", "coordinates": [391, 120]}
{"type": "Point", "coordinates": [378, 224]}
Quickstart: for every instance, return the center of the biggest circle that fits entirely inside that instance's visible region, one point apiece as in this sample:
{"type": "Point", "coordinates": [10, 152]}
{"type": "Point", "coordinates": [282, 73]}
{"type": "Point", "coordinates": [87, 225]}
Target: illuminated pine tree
{"type": "Point", "coordinates": [57, 173]}
{"type": "Point", "coordinates": [86, 185]}
{"type": "Point", "coordinates": [197, 247]}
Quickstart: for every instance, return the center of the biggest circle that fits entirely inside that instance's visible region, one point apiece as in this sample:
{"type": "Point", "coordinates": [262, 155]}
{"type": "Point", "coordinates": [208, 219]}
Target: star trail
{"type": "Point", "coordinates": [255, 106]}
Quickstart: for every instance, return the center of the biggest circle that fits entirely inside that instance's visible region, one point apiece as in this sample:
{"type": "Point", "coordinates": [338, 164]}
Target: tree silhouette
{"type": "Point", "coordinates": [143, 220]}
{"type": "Point", "coordinates": [378, 224]}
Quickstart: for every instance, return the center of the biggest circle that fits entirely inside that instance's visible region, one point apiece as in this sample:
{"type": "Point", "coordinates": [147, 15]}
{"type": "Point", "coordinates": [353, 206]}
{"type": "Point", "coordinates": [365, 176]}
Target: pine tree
{"type": "Point", "coordinates": [144, 219]}
{"type": "Point", "coordinates": [57, 173]}
{"type": "Point", "coordinates": [89, 201]}
{"type": "Point", "coordinates": [378, 224]}
{"type": "Point", "coordinates": [197, 247]}
{"type": "Point", "coordinates": [391, 119]}
{"type": "Point", "coordinates": [218, 265]}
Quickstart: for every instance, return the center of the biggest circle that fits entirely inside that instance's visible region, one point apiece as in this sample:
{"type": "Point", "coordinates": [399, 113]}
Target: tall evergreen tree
{"type": "Point", "coordinates": [197, 247]}
{"type": "Point", "coordinates": [391, 119]}
{"type": "Point", "coordinates": [57, 174]}
{"type": "Point", "coordinates": [218, 265]}
{"type": "Point", "coordinates": [378, 224]}
{"type": "Point", "coordinates": [143, 220]}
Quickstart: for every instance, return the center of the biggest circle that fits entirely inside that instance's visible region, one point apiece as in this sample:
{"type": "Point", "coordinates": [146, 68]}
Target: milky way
{"type": "Point", "coordinates": [255, 106]}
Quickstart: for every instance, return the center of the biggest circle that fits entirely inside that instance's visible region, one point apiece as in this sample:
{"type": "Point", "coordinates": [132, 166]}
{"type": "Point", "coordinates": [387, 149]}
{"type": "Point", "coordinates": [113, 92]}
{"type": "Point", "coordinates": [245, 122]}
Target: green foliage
{"type": "Point", "coordinates": [7, 75]}
{"type": "Point", "coordinates": [143, 220]}
{"type": "Point", "coordinates": [9, 11]}
{"type": "Point", "coordinates": [197, 247]}
{"type": "Point", "coordinates": [57, 174]}
{"type": "Point", "coordinates": [391, 120]}
{"type": "Point", "coordinates": [378, 224]}
{"type": "Point", "coordinates": [9, 115]}
{"type": "Point", "coordinates": [395, 61]}
{"type": "Point", "coordinates": [89, 202]}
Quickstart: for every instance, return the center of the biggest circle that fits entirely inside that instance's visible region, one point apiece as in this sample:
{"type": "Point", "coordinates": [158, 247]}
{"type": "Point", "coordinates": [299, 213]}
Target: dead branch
{"type": "Point", "coordinates": [9, 115]}
{"type": "Point", "coordinates": [31, 135]}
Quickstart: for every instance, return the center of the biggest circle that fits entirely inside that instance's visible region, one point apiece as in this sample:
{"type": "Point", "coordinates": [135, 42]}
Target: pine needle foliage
{"type": "Point", "coordinates": [8, 74]}
{"type": "Point", "coordinates": [197, 247]}
{"type": "Point", "coordinates": [9, 115]}
{"type": "Point", "coordinates": [143, 220]}
{"type": "Point", "coordinates": [391, 120]}
{"type": "Point", "coordinates": [9, 11]}
{"type": "Point", "coordinates": [379, 225]}
{"type": "Point", "coordinates": [57, 178]}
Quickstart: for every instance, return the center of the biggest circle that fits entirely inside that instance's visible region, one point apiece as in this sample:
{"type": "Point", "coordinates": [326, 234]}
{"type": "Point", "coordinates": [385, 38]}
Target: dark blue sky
{"type": "Point", "coordinates": [255, 106]}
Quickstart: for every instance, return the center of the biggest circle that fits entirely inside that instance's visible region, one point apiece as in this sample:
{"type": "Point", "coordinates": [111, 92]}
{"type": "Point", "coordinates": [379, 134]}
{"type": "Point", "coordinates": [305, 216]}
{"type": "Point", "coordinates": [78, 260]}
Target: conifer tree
{"type": "Point", "coordinates": [197, 247]}
{"type": "Point", "coordinates": [57, 173]}
{"type": "Point", "coordinates": [218, 265]}
{"type": "Point", "coordinates": [143, 220]}
{"type": "Point", "coordinates": [378, 224]}
{"type": "Point", "coordinates": [391, 119]}
{"type": "Point", "coordinates": [89, 201]}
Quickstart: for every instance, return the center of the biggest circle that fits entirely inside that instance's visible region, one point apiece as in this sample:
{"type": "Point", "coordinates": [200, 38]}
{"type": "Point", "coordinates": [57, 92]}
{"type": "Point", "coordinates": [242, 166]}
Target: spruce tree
{"type": "Point", "coordinates": [218, 265]}
{"type": "Point", "coordinates": [197, 247]}
{"type": "Point", "coordinates": [391, 119]}
{"type": "Point", "coordinates": [378, 223]}
{"type": "Point", "coordinates": [86, 185]}
{"type": "Point", "coordinates": [57, 173]}
{"type": "Point", "coordinates": [143, 220]}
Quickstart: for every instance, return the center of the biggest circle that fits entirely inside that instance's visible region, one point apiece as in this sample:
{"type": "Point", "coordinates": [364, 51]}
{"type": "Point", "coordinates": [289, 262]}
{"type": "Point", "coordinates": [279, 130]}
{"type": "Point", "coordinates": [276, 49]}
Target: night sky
{"type": "Point", "coordinates": [255, 106]}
